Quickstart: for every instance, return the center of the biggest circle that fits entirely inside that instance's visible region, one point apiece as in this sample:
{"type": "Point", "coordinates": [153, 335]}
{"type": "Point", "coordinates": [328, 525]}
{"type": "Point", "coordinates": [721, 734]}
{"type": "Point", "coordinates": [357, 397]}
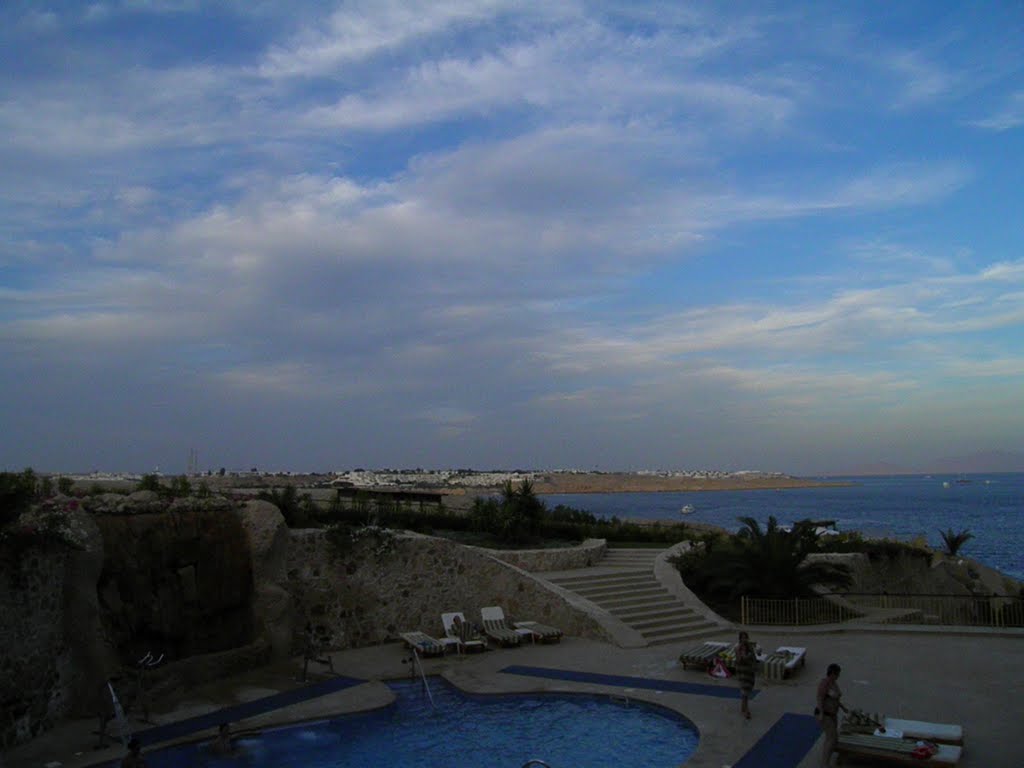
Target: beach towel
{"type": "Point", "coordinates": [718, 669]}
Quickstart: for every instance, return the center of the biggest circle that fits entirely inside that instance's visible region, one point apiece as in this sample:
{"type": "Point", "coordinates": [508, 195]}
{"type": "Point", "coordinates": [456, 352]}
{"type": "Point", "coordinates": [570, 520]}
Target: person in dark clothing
{"type": "Point", "coordinates": [134, 758]}
{"type": "Point", "coordinates": [746, 668]}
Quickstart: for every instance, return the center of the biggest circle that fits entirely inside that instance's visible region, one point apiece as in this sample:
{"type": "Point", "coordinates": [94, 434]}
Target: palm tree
{"type": "Point", "coordinates": [773, 563]}
{"type": "Point", "coordinates": [954, 541]}
{"type": "Point", "coordinates": [521, 511]}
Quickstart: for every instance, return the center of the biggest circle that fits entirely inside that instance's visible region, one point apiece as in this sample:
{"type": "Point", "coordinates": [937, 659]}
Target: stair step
{"type": "Point", "coordinates": [631, 583]}
{"type": "Point", "coordinates": [673, 631]}
{"type": "Point", "coordinates": [625, 602]}
{"type": "Point", "coordinates": [674, 623]}
{"type": "Point", "coordinates": [643, 613]}
{"type": "Point", "coordinates": [696, 635]}
{"type": "Point", "coordinates": [566, 581]}
{"type": "Point", "coordinates": [599, 593]}
{"type": "Point", "coordinates": [623, 583]}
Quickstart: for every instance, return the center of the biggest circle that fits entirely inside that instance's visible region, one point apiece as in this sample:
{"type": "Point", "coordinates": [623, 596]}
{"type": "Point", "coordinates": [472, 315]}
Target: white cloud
{"type": "Point", "coordinates": [921, 80]}
{"type": "Point", "coordinates": [1008, 117]}
{"type": "Point", "coordinates": [361, 30]}
{"type": "Point", "coordinates": [445, 215]}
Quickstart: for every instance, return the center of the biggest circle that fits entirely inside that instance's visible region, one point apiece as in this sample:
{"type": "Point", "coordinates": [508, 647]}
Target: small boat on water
{"type": "Point", "coordinates": [687, 509]}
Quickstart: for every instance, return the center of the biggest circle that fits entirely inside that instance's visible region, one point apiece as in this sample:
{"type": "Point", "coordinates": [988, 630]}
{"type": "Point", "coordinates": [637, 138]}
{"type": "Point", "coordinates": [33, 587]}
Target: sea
{"type": "Point", "coordinates": [903, 507]}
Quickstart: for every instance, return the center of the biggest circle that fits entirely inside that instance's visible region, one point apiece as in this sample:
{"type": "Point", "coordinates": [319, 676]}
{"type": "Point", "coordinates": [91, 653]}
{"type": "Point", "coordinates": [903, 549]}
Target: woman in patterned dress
{"type": "Point", "coordinates": [746, 667]}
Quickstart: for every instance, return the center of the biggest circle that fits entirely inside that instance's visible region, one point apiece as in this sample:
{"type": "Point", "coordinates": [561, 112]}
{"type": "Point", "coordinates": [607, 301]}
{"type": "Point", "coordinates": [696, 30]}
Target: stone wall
{"type": "Point", "coordinates": [379, 587]}
{"type": "Point", "coordinates": [177, 583]}
{"type": "Point", "coordinates": [585, 555]}
{"type": "Point", "coordinates": [35, 662]}
{"type": "Point", "coordinates": [915, 575]}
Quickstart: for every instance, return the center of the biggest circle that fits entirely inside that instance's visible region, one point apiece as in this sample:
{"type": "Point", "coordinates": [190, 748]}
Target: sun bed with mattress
{"type": "Point", "coordinates": [423, 643]}
{"type": "Point", "coordinates": [497, 629]}
{"type": "Point", "coordinates": [703, 655]}
{"type": "Point", "coordinates": [464, 636]}
{"type": "Point", "coordinates": [897, 751]}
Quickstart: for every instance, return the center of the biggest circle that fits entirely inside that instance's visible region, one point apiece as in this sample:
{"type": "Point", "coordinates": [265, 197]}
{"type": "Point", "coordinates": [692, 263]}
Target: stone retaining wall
{"type": "Point", "coordinates": [35, 661]}
{"type": "Point", "coordinates": [587, 554]}
{"type": "Point", "coordinates": [379, 587]}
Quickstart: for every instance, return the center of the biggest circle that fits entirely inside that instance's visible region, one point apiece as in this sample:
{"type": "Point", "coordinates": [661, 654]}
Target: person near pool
{"type": "Point", "coordinates": [134, 758]}
{"type": "Point", "coordinates": [746, 666]}
{"type": "Point", "coordinates": [827, 711]}
{"type": "Point", "coordinates": [223, 745]}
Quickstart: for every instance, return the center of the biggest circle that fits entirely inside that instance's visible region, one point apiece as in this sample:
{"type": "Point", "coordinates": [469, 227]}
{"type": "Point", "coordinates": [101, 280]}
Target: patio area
{"type": "Point", "coordinates": [970, 678]}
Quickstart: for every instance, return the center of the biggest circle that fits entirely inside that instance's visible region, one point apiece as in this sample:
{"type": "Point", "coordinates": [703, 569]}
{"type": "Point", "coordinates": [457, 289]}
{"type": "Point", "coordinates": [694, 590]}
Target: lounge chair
{"type": "Point", "coordinates": [497, 629]}
{"type": "Point", "coordinates": [462, 633]}
{"type": "Point", "coordinates": [940, 733]}
{"type": "Point", "coordinates": [540, 633]}
{"type": "Point", "coordinates": [423, 643]}
{"type": "Point", "coordinates": [533, 630]}
{"type": "Point", "coordinates": [859, 722]}
{"type": "Point", "coordinates": [893, 750]}
{"type": "Point", "coordinates": [703, 655]}
{"type": "Point", "coordinates": [782, 662]}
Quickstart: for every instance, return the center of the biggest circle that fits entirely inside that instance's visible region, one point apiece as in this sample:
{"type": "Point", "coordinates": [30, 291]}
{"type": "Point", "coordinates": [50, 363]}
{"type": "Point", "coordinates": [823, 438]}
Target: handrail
{"type": "Point", "coordinates": [423, 675]}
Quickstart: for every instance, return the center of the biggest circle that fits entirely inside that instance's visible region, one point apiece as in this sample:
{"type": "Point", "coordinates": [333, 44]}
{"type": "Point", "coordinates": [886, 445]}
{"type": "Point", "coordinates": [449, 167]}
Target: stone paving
{"type": "Point", "coordinates": [974, 678]}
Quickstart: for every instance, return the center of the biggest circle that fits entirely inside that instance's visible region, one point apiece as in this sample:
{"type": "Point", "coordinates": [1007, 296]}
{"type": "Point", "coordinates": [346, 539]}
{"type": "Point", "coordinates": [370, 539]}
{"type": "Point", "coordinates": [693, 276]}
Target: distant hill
{"type": "Point", "coordinates": [986, 461]}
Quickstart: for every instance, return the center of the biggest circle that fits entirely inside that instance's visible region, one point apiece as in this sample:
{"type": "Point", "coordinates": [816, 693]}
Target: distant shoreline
{"type": "Point", "coordinates": [583, 483]}
{"type": "Point", "coordinates": [627, 482]}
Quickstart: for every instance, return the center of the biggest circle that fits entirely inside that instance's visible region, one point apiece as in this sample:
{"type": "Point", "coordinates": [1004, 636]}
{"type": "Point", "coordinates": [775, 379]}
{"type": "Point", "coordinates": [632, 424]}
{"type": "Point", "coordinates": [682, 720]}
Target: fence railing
{"type": "Point", "coordinates": [950, 610]}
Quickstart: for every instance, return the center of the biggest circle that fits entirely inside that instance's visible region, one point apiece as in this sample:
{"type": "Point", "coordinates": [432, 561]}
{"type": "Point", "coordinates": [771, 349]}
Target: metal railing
{"type": "Point", "coordinates": [947, 610]}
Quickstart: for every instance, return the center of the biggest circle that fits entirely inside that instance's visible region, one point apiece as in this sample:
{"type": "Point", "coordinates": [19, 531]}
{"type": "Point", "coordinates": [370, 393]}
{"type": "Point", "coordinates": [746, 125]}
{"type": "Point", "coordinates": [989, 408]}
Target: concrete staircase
{"type": "Point", "coordinates": [623, 584]}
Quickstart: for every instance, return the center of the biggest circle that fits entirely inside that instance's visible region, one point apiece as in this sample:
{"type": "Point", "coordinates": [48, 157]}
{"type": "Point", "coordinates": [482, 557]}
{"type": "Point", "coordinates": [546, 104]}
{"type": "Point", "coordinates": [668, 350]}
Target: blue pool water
{"type": "Point", "coordinates": [581, 731]}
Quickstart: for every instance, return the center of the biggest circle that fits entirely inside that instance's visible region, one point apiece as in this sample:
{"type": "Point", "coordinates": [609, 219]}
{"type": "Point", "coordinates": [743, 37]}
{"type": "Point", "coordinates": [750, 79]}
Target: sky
{"type": "Point", "coordinates": [593, 235]}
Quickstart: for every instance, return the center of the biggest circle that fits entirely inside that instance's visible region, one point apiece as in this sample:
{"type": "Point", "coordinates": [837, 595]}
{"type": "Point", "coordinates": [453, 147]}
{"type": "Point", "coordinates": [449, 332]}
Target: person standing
{"type": "Point", "coordinates": [222, 745]}
{"type": "Point", "coordinates": [746, 667]}
{"type": "Point", "coordinates": [829, 702]}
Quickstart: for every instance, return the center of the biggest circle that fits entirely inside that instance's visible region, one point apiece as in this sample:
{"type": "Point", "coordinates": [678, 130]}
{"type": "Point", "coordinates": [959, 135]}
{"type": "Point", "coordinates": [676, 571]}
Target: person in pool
{"type": "Point", "coordinates": [222, 746]}
{"type": "Point", "coordinates": [134, 758]}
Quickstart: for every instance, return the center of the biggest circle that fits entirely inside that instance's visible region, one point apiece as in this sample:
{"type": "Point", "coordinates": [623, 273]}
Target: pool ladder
{"type": "Point", "coordinates": [423, 676]}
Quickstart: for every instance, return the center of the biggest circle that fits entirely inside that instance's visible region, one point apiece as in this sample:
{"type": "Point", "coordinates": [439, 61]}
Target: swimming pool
{"type": "Point", "coordinates": [564, 730]}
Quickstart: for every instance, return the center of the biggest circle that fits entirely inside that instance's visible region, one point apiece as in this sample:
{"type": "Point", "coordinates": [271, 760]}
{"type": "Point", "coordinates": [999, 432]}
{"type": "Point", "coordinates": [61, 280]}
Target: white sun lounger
{"type": "Point", "coordinates": [423, 643]}
{"type": "Point", "coordinates": [702, 655]}
{"type": "Point", "coordinates": [868, 723]}
{"type": "Point", "coordinates": [940, 733]}
{"type": "Point", "coordinates": [498, 630]}
{"type": "Point", "coordinates": [465, 640]}
{"type": "Point", "coordinates": [894, 750]}
{"type": "Point", "coordinates": [783, 662]}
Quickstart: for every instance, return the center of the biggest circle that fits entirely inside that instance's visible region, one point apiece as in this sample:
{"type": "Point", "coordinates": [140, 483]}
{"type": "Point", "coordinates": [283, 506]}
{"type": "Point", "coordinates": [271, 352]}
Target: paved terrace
{"type": "Point", "coordinates": [975, 679]}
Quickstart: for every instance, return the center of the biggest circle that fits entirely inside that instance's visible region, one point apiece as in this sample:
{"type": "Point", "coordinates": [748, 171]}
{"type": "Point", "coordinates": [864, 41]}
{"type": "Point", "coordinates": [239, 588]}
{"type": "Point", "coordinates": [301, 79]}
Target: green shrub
{"type": "Point", "coordinates": [299, 511]}
{"type": "Point", "coordinates": [150, 483]}
{"type": "Point", "coordinates": [17, 492]}
{"type": "Point", "coordinates": [180, 488]}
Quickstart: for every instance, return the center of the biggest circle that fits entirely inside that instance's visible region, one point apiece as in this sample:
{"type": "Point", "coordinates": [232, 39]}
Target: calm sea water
{"type": "Point", "coordinates": [902, 507]}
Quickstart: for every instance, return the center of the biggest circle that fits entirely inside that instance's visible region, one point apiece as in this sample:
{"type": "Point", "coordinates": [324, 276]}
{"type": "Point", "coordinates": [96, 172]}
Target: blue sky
{"type": "Point", "coordinates": [504, 234]}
